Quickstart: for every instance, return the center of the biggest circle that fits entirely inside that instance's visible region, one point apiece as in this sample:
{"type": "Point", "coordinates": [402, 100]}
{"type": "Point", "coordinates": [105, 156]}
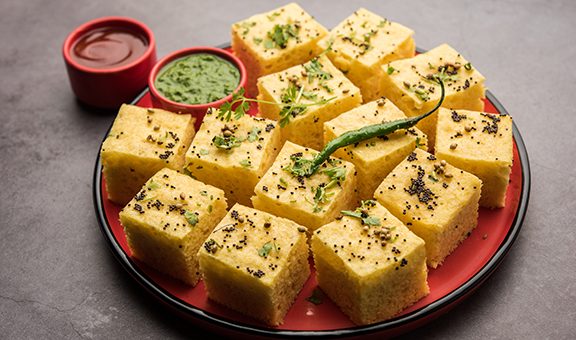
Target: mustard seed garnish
{"type": "Point", "coordinates": [443, 163]}
{"type": "Point", "coordinates": [150, 111]}
{"type": "Point", "coordinates": [345, 91]}
{"type": "Point", "coordinates": [240, 219]}
{"type": "Point", "coordinates": [302, 229]}
{"type": "Point", "coordinates": [149, 120]}
{"type": "Point", "coordinates": [453, 146]}
{"type": "Point", "coordinates": [156, 128]}
{"type": "Point", "coordinates": [182, 196]}
{"type": "Point", "coordinates": [468, 128]}
{"type": "Point", "coordinates": [227, 133]}
{"type": "Point", "coordinates": [448, 175]}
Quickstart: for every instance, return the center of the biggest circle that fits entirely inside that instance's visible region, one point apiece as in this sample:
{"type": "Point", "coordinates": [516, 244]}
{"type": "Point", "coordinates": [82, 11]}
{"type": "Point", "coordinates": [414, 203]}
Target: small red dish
{"type": "Point", "coordinates": [112, 71]}
{"type": "Point", "coordinates": [197, 110]}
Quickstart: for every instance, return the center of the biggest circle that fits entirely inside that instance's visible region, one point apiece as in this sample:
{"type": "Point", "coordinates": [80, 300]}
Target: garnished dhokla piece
{"type": "Point", "coordinates": [437, 201]}
{"type": "Point", "coordinates": [480, 143]}
{"type": "Point", "coordinates": [140, 143]}
{"type": "Point", "coordinates": [409, 84]}
{"type": "Point", "coordinates": [274, 41]}
{"type": "Point", "coordinates": [255, 263]}
{"type": "Point", "coordinates": [233, 155]}
{"type": "Point", "coordinates": [311, 201]}
{"type": "Point", "coordinates": [370, 264]}
{"type": "Point", "coordinates": [362, 43]}
{"type": "Point", "coordinates": [313, 93]}
{"type": "Point", "coordinates": [169, 219]}
{"type": "Point", "coordinates": [376, 157]}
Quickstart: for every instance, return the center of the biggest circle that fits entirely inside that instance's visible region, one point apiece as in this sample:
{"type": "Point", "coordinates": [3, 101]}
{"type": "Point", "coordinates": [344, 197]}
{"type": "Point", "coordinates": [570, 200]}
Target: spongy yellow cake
{"type": "Point", "coordinates": [376, 157]}
{"type": "Point", "coordinates": [437, 201]}
{"type": "Point", "coordinates": [481, 144]}
{"type": "Point", "coordinates": [406, 83]}
{"type": "Point", "coordinates": [273, 41]}
{"type": "Point", "coordinates": [233, 155]}
{"type": "Point", "coordinates": [141, 142]}
{"type": "Point", "coordinates": [362, 43]}
{"type": "Point", "coordinates": [311, 201]}
{"type": "Point", "coordinates": [370, 264]}
{"type": "Point", "coordinates": [255, 263]}
{"type": "Point", "coordinates": [312, 82]}
{"type": "Point", "coordinates": [167, 221]}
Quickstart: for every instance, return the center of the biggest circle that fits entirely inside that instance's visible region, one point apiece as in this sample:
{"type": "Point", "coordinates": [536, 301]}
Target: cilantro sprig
{"type": "Point", "coordinates": [290, 102]}
{"type": "Point", "coordinates": [361, 213]}
{"type": "Point", "coordinates": [279, 36]}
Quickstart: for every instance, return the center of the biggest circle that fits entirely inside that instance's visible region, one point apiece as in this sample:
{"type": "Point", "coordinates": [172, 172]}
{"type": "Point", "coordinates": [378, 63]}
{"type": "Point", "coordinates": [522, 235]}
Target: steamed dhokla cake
{"type": "Point", "coordinates": [312, 93]}
{"type": "Point", "coordinates": [406, 82]}
{"type": "Point", "coordinates": [141, 142]}
{"type": "Point", "coordinates": [255, 263]}
{"type": "Point", "coordinates": [370, 264]}
{"type": "Point", "coordinates": [274, 41]}
{"type": "Point", "coordinates": [481, 144]}
{"type": "Point", "coordinates": [233, 155]}
{"type": "Point", "coordinates": [437, 201]}
{"type": "Point", "coordinates": [376, 157]}
{"type": "Point", "coordinates": [167, 221]}
{"type": "Point", "coordinates": [311, 201]}
{"type": "Point", "coordinates": [362, 43]}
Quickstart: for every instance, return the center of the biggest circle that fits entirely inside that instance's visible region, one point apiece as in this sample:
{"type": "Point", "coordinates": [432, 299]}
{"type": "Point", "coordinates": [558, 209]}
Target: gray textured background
{"type": "Point", "coordinates": [58, 278]}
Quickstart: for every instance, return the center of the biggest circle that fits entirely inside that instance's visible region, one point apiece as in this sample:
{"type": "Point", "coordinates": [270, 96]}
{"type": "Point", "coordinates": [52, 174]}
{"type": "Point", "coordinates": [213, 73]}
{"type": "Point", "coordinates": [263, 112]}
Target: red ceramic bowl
{"type": "Point", "coordinates": [109, 87]}
{"type": "Point", "coordinates": [197, 110]}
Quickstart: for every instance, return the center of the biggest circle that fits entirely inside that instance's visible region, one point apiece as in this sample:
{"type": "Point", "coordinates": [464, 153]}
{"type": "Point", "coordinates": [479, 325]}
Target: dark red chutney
{"type": "Point", "coordinates": [108, 47]}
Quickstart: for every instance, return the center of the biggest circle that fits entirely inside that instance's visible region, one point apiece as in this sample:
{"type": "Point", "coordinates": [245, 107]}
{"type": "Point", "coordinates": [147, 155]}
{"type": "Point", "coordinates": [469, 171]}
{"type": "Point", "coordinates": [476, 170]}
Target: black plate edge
{"type": "Point", "coordinates": [404, 320]}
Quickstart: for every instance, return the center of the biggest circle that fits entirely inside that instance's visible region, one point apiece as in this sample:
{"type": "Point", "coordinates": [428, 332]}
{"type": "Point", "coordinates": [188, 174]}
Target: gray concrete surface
{"type": "Point", "coordinates": [59, 280]}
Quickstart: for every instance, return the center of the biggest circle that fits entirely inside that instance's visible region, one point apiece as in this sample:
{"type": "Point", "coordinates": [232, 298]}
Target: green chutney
{"type": "Point", "coordinates": [199, 78]}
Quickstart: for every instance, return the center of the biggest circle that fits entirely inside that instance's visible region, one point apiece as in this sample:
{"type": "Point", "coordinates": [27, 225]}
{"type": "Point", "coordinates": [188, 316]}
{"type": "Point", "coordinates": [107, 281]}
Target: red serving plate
{"type": "Point", "coordinates": [460, 274]}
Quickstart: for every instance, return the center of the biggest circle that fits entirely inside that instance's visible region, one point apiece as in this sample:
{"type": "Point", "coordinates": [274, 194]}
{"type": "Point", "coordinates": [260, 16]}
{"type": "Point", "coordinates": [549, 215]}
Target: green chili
{"type": "Point", "coordinates": [305, 167]}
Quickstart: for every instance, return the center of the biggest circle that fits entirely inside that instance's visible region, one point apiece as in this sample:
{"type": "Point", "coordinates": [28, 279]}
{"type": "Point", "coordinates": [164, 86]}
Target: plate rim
{"type": "Point", "coordinates": [420, 314]}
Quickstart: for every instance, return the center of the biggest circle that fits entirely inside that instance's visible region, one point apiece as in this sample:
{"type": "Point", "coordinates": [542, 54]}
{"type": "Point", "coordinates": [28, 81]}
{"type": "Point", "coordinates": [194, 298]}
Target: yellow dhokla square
{"type": "Point", "coordinates": [376, 157]}
{"type": "Point", "coordinates": [140, 143]}
{"type": "Point", "coordinates": [437, 201]}
{"type": "Point", "coordinates": [255, 263]}
{"type": "Point", "coordinates": [406, 83]}
{"type": "Point", "coordinates": [276, 40]}
{"type": "Point", "coordinates": [481, 144]}
{"type": "Point", "coordinates": [310, 201]}
{"type": "Point", "coordinates": [317, 81]}
{"type": "Point", "coordinates": [233, 155]}
{"type": "Point", "coordinates": [370, 264]}
{"type": "Point", "coordinates": [362, 43]}
{"type": "Point", "coordinates": [167, 221]}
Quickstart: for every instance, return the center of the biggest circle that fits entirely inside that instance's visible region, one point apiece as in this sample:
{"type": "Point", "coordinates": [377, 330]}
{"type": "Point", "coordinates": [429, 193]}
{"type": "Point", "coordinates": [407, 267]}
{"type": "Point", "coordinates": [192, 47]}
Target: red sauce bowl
{"type": "Point", "coordinates": [109, 86]}
{"type": "Point", "coordinates": [197, 110]}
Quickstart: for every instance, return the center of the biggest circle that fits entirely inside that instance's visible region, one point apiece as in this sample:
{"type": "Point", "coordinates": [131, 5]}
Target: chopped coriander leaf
{"type": "Point", "coordinates": [257, 41]}
{"type": "Point", "coordinates": [432, 178]}
{"type": "Point", "coordinates": [336, 173]}
{"type": "Point", "coordinates": [204, 193]}
{"type": "Point", "coordinates": [246, 163]}
{"type": "Point", "coordinates": [191, 217]}
{"type": "Point", "coordinates": [314, 70]}
{"type": "Point", "coordinates": [253, 134]}
{"type": "Point", "coordinates": [283, 182]}
{"type": "Point", "coordinates": [362, 214]}
{"type": "Point", "coordinates": [204, 152]}
{"type": "Point", "coordinates": [418, 144]}
{"type": "Point", "coordinates": [382, 23]}
{"type": "Point", "coordinates": [321, 196]}
{"type": "Point", "coordinates": [279, 36]}
{"type": "Point", "coordinates": [390, 70]}
{"type": "Point", "coordinates": [468, 66]}
{"type": "Point", "coordinates": [153, 185]}
{"type": "Point", "coordinates": [226, 143]}
{"type": "Point", "coordinates": [267, 248]}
